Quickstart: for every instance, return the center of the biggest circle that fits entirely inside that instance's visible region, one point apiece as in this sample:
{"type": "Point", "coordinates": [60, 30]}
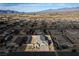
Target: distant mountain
{"type": "Point", "coordinates": [8, 11]}
{"type": "Point", "coordinates": [74, 9]}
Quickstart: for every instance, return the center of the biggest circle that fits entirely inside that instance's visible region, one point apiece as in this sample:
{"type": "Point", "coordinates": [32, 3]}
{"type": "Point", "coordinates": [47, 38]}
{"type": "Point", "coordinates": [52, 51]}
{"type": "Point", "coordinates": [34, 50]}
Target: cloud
{"type": "Point", "coordinates": [33, 7]}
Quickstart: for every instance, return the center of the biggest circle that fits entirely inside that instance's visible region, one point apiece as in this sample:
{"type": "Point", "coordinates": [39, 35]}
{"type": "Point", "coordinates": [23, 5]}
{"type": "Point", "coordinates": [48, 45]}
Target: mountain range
{"type": "Point", "coordinates": [76, 9]}
{"type": "Point", "coordinates": [8, 11]}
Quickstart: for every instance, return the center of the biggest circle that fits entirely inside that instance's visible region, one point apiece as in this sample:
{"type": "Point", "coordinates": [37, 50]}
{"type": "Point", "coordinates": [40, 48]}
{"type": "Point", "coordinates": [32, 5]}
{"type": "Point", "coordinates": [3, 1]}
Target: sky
{"type": "Point", "coordinates": [35, 7]}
